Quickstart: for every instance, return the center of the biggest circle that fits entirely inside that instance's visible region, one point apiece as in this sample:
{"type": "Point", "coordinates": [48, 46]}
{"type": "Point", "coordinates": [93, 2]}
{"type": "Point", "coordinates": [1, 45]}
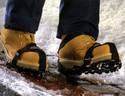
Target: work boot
{"type": "Point", "coordinates": [21, 51]}
{"type": "Point", "coordinates": [82, 54]}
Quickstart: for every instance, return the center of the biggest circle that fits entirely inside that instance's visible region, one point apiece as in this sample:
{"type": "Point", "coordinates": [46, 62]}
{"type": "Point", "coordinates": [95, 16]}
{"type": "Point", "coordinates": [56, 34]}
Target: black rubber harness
{"type": "Point", "coordinates": [32, 48]}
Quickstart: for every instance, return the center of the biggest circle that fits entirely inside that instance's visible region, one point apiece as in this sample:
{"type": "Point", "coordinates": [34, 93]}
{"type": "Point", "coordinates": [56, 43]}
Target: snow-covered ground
{"type": "Point", "coordinates": [112, 29]}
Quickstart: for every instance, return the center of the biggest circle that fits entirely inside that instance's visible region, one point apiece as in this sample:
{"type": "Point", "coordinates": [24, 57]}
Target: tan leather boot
{"type": "Point", "coordinates": [12, 41]}
{"type": "Point", "coordinates": [82, 50]}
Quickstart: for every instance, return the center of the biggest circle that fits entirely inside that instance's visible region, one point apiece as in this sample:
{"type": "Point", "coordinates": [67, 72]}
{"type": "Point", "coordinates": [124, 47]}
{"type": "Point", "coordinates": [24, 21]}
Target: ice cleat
{"type": "Point", "coordinates": [82, 54]}
{"type": "Point", "coordinates": [21, 51]}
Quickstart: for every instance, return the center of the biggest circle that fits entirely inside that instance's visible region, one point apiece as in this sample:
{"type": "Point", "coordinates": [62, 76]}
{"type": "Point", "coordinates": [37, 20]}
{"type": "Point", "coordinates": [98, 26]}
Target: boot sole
{"type": "Point", "coordinates": [99, 68]}
{"type": "Point", "coordinates": [69, 64]}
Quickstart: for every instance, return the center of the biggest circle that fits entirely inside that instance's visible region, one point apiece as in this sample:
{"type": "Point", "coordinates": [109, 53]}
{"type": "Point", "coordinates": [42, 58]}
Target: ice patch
{"type": "Point", "coordinates": [16, 82]}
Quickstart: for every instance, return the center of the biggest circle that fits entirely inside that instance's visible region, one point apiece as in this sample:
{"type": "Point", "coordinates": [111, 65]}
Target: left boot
{"type": "Point", "coordinates": [21, 51]}
{"type": "Point", "coordinates": [81, 54]}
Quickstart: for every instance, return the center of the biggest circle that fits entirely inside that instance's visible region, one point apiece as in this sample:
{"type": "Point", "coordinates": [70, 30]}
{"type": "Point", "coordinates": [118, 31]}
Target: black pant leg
{"type": "Point", "coordinates": [79, 16]}
{"type": "Point", "coordinates": [23, 15]}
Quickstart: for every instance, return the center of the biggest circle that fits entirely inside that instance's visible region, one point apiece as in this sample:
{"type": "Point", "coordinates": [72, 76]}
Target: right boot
{"type": "Point", "coordinates": [79, 53]}
{"type": "Point", "coordinates": [21, 51]}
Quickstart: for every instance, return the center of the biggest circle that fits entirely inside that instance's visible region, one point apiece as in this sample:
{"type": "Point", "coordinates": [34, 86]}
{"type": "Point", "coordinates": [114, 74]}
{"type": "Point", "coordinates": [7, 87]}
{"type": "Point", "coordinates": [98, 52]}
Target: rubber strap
{"type": "Point", "coordinates": [89, 55]}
